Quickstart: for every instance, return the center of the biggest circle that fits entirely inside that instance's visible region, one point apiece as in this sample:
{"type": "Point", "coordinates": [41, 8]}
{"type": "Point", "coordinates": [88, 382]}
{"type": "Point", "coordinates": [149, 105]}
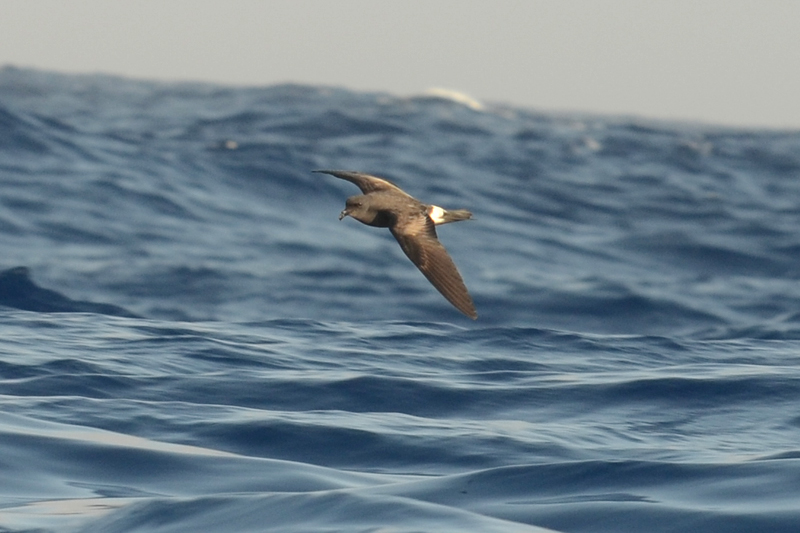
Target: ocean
{"type": "Point", "coordinates": [191, 341]}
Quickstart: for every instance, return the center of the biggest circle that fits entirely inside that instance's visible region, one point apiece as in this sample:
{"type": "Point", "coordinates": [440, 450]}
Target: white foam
{"type": "Point", "coordinates": [455, 96]}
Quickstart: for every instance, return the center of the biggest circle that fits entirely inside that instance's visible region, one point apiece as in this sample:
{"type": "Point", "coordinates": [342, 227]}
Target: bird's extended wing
{"type": "Point", "coordinates": [417, 238]}
{"type": "Point", "coordinates": [366, 182]}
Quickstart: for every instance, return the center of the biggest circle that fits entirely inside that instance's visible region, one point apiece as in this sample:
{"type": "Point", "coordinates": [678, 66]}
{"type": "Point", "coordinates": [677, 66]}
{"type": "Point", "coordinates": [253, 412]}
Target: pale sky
{"type": "Point", "coordinates": [727, 62]}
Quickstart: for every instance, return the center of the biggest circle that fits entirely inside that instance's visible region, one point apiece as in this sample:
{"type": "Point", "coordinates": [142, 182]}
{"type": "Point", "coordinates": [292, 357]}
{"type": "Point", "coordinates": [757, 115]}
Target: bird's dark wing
{"type": "Point", "coordinates": [417, 238]}
{"type": "Point", "coordinates": [365, 182]}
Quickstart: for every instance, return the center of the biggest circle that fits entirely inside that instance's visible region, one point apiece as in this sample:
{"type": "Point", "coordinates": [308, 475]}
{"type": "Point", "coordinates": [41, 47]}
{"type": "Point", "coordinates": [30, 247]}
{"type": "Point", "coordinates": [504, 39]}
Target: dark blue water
{"type": "Point", "coordinates": [190, 341]}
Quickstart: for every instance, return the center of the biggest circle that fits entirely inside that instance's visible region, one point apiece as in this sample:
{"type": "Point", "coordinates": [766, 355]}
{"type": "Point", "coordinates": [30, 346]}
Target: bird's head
{"type": "Point", "coordinates": [355, 207]}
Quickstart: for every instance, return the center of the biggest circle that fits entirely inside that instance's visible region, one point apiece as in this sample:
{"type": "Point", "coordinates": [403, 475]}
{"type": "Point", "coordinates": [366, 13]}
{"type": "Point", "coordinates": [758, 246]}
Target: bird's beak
{"type": "Point", "coordinates": [343, 214]}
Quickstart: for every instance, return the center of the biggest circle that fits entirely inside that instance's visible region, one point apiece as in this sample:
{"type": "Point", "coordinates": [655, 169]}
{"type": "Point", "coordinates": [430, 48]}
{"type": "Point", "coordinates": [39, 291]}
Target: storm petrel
{"type": "Point", "coordinates": [413, 224]}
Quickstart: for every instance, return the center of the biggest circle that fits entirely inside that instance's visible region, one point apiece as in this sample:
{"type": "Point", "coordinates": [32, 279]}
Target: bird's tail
{"type": "Point", "coordinates": [442, 216]}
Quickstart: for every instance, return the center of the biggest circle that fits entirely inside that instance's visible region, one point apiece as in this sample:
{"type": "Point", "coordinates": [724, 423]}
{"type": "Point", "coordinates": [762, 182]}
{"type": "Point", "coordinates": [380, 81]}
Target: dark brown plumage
{"type": "Point", "coordinates": [413, 224]}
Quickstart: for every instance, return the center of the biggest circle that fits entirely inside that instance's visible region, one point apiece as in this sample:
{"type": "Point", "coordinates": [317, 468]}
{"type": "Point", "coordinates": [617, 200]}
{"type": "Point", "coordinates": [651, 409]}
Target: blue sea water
{"type": "Point", "coordinates": [190, 341]}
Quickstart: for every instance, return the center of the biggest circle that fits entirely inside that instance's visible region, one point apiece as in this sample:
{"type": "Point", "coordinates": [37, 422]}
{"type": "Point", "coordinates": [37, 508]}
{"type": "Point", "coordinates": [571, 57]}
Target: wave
{"type": "Point", "coordinates": [18, 291]}
{"type": "Point", "coordinates": [219, 491]}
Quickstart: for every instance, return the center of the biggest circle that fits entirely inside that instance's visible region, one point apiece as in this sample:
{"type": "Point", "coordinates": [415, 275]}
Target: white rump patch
{"type": "Point", "coordinates": [437, 214]}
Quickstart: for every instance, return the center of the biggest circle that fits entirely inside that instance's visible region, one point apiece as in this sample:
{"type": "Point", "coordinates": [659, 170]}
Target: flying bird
{"type": "Point", "coordinates": [413, 224]}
